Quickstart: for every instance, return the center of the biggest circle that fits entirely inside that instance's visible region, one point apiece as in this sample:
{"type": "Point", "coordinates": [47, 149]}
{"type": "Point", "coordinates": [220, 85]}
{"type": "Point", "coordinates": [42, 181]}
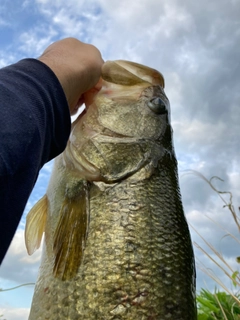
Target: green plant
{"type": "Point", "coordinates": [218, 305]}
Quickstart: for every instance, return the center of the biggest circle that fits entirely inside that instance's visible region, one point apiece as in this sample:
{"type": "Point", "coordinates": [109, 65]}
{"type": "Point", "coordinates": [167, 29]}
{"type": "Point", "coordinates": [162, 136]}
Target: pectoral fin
{"type": "Point", "coordinates": [35, 225]}
{"type": "Point", "coordinates": [70, 235]}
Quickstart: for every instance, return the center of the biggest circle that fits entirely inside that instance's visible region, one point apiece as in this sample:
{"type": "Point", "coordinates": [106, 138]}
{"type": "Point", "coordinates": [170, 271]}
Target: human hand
{"type": "Point", "coordinates": [77, 66]}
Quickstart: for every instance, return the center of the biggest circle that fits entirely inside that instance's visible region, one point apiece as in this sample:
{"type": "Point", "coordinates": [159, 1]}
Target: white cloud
{"type": "Point", "coordinates": [17, 265]}
{"type": "Point", "coordinates": [6, 59]}
{"type": "Point", "coordinates": [18, 269]}
{"type": "Point", "coordinates": [3, 22]}
{"type": "Point", "coordinates": [35, 41]}
{"type": "Point", "coordinates": [194, 134]}
{"type": "Point", "coordinates": [69, 25]}
{"type": "Point", "coordinates": [80, 19]}
{"type": "Point", "coordinates": [61, 3]}
{"type": "Point", "coordinates": [14, 313]}
{"type": "Point", "coordinates": [145, 14]}
{"type": "Point", "coordinates": [3, 63]}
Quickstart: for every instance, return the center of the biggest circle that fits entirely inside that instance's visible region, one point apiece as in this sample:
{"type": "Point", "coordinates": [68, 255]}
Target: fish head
{"type": "Point", "coordinates": [132, 101]}
{"type": "Point", "coordinates": [124, 133]}
{"type": "Point", "coordinates": [126, 127]}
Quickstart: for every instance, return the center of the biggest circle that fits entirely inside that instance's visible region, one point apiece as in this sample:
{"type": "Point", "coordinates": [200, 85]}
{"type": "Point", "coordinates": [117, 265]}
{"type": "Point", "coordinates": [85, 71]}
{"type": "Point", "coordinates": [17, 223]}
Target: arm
{"type": "Point", "coordinates": [35, 99]}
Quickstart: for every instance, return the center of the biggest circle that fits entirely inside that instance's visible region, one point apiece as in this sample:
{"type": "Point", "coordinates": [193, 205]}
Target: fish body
{"type": "Point", "coordinates": [117, 245]}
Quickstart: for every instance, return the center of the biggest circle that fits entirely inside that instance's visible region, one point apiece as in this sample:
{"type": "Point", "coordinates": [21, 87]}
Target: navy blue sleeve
{"type": "Point", "coordinates": [34, 128]}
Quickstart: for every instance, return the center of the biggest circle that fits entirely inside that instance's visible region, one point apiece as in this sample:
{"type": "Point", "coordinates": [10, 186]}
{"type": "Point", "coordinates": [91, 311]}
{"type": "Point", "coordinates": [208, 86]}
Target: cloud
{"type": "Point", "coordinates": [147, 16]}
{"type": "Point", "coordinates": [6, 58]}
{"type": "Point", "coordinates": [14, 314]}
{"type": "Point", "coordinates": [18, 269]}
{"type": "Point", "coordinates": [85, 20]}
{"type": "Point", "coordinates": [3, 22]}
{"type": "Point", "coordinates": [27, 266]}
{"type": "Point", "coordinates": [3, 63]}
{"type": "Point", "coordinates": [34, 42]}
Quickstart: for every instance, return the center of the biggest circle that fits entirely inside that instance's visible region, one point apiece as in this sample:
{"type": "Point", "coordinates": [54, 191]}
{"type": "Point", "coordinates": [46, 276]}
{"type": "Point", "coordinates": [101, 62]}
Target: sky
{"type": "Point", "coordinates": [195, 45]}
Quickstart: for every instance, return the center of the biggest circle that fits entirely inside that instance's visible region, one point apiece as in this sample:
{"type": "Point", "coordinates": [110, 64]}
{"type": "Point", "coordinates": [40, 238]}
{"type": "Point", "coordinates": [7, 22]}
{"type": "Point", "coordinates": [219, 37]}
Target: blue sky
{"type": "Point", "coordinates": [195, 46]}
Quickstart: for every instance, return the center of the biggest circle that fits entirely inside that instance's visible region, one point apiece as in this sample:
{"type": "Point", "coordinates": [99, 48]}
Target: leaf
{"type": "Point", "coordinates": [234, 276]}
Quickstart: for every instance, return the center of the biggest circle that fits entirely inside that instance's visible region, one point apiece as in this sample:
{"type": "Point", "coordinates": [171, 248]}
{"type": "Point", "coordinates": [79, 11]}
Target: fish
{"type": "Point", "coordinates": [116, 241]}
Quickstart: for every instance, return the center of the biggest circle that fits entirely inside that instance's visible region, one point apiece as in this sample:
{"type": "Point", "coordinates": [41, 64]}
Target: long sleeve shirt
{"type": "Point", "coordinates": [34, 128]}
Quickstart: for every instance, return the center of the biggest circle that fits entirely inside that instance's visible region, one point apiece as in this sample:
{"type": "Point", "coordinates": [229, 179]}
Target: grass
{"type": "Point", "coordinates": [224, 304]}
{"type": "Point", "coordinates": [218, 305]}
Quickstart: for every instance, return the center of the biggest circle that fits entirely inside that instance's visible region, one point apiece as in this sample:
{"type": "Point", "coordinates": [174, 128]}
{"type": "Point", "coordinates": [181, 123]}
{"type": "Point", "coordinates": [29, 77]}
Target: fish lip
{"type": "Point", "coordinates": [130, 73]}
{"type": "Point", "coordinates": [113, 91]}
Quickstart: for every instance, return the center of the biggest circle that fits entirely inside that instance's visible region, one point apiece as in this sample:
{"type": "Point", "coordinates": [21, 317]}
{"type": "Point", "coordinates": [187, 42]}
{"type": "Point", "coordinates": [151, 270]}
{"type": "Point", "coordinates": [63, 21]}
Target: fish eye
{"type": "Point", "coordinates": [157, 105]}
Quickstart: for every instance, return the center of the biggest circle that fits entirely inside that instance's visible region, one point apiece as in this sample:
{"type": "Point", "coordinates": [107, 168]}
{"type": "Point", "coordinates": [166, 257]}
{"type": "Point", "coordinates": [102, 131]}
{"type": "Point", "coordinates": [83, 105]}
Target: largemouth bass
{"type": "Point", "coordinates": [116, 245]}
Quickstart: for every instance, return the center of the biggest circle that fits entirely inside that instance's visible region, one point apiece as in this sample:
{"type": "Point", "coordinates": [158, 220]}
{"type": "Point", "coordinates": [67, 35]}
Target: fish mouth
{"type": "Point", "coordinates": [127, 79]}
{"type": "Point", "coordinates": [123, 78]}
{"type": "Point", "coordinates": [129, 73]}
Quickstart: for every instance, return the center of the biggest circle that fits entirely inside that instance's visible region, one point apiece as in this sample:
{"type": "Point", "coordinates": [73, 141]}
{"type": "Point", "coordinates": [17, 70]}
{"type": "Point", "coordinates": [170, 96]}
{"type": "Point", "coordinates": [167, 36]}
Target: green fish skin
{"type": "Point", "coordinates": [117, 245]}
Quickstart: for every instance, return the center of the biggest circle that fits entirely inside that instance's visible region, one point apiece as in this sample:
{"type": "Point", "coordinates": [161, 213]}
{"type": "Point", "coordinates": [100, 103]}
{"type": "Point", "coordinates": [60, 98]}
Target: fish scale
{"type": "Point", "coordinates": [136, 258]}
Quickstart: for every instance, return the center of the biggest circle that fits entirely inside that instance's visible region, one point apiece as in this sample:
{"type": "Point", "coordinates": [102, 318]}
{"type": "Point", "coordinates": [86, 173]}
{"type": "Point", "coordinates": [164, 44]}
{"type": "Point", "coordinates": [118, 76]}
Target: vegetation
{"type": "Point", "coordinates": [225, 304]}
{"type": "Point", "coordinates": [218, 305]}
